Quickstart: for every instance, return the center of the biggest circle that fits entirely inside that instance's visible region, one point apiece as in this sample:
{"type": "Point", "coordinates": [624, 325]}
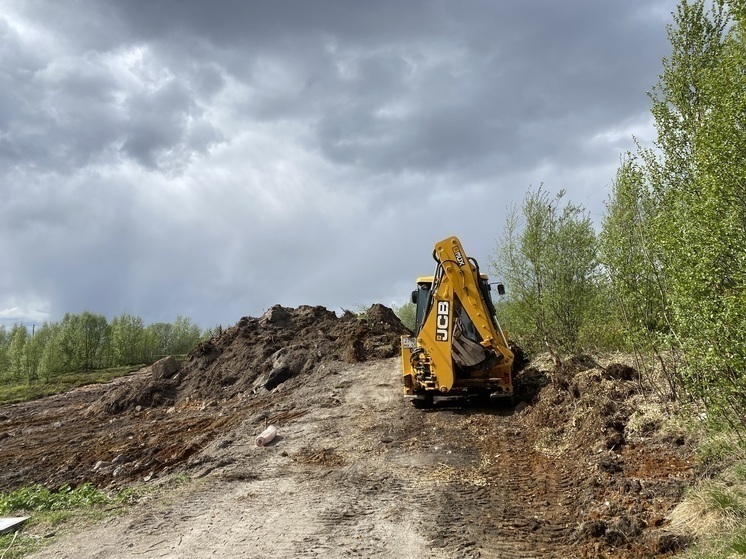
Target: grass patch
{"type": "Point", "coordinates": [22, 392]}
{"type": "Point", "coordinates": [714, 511]}
{"type": "Point", "coordinates": [13, 546]}
{"type": "Point", "coordinates": [49, 510]}
{"type": "Point", "coordinates": [721, 450]}
{"type": "Point", "coordinates": [40, 499]}
{"type": "Point", "coordinates": [69, 510]}
{"type": "Point", "coordinates": [731, 546]}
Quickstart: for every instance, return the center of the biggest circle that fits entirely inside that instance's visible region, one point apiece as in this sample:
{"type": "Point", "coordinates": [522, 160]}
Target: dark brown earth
{"type": "Point", "coordinates": [577, 469]}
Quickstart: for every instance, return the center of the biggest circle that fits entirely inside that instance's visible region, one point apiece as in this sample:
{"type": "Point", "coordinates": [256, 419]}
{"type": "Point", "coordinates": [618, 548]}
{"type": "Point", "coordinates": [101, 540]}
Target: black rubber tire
{"type": "Point", "coordinates": [423, 403]}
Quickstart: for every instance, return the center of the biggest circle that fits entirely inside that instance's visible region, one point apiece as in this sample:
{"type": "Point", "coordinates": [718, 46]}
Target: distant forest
{"type": "Point", "coordinates": [87, 342]}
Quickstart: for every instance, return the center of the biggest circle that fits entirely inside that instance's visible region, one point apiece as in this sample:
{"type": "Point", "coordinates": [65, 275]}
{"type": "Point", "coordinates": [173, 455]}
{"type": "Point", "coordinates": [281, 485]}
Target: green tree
{"type": "Point", "coordinates": [4, 358]}
{"type": "Point", "coordinates": [406, 314]}
{"type": "Point", "coordinates": [547, 256]}
{"type": "Point", "coordinates": [51, 361]}
{"type": "Point", "coordinates": [93, 332]}
{"type": "Point", "coordinates": [128, 339]}
{"type": "Point", "coordinates": [185, 335]}
{"type": "Point", "coordinates": [684, 206]}
{"type": "Point", "coordinates": [34, 348]}
{"type": "Point", "coordinates": [159, 339]}
{"type": "Point", "coordinates": [17, 353]}
{"type": "Point", "coordinates": [706, 238]}
{"type": "Point", "coordinates": [631, 257]}
{"type": "Point", "coordinates": [81, 339]}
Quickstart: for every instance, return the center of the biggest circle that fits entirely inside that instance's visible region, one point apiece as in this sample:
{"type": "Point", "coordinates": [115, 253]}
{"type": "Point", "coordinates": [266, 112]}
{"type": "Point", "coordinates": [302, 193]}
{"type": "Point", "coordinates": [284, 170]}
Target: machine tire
{"type": "Point", "coordinates": [424, 403]}
{"type": "Point", "coordinates": [506, 402]}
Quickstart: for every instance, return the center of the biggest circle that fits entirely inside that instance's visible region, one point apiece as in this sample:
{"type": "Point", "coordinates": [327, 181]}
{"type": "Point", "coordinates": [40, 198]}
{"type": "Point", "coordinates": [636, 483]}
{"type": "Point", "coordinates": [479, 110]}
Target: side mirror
{"type": "Point", "coordinates": [500, 289]}
{"type": "Point", "coordinates": [414, 296]}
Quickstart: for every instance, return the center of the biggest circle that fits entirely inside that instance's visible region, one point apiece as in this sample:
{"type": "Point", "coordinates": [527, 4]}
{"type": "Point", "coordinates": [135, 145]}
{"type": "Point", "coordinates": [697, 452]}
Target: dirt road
{"type": "Point", "coordinates": [357, 472]}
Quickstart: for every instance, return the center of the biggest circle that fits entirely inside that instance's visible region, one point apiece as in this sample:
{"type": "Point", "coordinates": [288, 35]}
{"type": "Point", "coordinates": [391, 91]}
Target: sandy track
{"type": "Point", "coordinates": [326, 488]}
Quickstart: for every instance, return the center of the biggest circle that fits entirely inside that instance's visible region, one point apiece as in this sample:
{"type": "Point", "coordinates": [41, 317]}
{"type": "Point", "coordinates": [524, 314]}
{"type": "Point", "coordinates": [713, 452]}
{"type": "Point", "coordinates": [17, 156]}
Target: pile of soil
{"type": "Point", "coordinates": [627, 477]}
{"type": "Point", "coordinates": [258, 354]}
{"type": "Point", "coordinates": [154, 421]}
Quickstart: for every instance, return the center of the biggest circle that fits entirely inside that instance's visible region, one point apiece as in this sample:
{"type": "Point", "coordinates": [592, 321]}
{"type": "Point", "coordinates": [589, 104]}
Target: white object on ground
{"type": "Point", "coordinates": [9, 523]}
{"type": "Point", "coordinates": [266, 436]}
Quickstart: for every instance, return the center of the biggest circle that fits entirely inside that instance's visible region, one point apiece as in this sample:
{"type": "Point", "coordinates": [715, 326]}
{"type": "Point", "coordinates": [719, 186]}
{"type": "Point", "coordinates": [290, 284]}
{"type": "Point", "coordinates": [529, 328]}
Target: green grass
{"type": "Point", "coordinates": [70, 510]}
{"type": "Point", "coordinates": [739, 471]}
{"type": "Point", "coordinates": [40, 499]}
{"type": "Point", "coordinates": [715, 511]}
{"type": "Point", "coordinates": [48, 510]}
{"type": "Point", "coordinates": [22, 392]}
{"type": "Point", "coordinates": [730, 546]}
{"type": "Point", "coordinates": [14, 546]}
{"type": "Point", "coordinates": [728, 502]}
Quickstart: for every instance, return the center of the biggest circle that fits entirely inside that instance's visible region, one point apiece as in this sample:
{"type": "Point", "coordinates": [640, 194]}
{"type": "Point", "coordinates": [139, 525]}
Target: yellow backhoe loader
{"type": "Point", "coordinates": [459, 348]}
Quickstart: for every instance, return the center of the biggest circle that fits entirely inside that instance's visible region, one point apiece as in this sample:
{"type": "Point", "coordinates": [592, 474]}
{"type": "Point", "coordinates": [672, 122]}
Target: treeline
{"type": "Point", "coordinates": [87, 342]}
{"type": "Point", "coordinates": [667, 272]}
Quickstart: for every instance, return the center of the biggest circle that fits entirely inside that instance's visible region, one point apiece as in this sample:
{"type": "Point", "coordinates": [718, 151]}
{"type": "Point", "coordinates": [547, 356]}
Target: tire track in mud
{"type": "Point", "coordinates": [361, 514]}
{"type": "Point", "coordinates": [516, 503]}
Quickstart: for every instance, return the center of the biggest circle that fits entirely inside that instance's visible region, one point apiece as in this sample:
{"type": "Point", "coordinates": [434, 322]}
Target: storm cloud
{"type": "Point", "coordinates": [211, 159]}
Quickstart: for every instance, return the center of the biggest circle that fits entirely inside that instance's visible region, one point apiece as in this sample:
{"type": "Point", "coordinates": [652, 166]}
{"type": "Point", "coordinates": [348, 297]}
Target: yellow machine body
{"type": "Point", "coordinates": [458, 346]}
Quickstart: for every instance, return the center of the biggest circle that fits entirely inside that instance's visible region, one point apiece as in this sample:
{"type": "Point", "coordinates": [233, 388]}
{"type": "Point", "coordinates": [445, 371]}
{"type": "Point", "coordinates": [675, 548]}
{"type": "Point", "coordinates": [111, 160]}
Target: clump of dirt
{"type": "Point", "coordinates": [325, 457]}
{"type": "Point", "coordinates": [259, 354]}
{"type": "Point", "coordinates": [528, 384]}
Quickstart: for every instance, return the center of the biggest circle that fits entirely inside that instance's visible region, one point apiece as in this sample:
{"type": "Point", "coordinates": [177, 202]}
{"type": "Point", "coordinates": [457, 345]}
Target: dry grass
{"type": "Point", "coordinates": [714, 511]}
{"type": "Point", "coordinates": [552, 442]}
{"type": "Point", "coordinates": [320, 457]}
{"type": "Point", "coordinates": [711, 507]}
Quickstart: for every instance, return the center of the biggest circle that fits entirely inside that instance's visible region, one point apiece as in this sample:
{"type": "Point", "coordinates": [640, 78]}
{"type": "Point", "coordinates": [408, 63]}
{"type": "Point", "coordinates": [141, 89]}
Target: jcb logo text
{"type": "Point", "coordinates": [442, 321]}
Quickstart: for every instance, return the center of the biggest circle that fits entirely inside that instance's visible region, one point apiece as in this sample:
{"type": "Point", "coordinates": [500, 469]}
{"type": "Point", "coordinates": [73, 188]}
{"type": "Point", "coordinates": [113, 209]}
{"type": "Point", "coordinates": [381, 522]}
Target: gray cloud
{"type": "Point", "coordinates": [211, 159]}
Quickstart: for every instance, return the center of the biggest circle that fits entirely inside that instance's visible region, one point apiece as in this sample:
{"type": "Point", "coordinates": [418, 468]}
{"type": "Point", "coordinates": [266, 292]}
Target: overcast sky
{"type": "Point", "coordinates": [212, 159]}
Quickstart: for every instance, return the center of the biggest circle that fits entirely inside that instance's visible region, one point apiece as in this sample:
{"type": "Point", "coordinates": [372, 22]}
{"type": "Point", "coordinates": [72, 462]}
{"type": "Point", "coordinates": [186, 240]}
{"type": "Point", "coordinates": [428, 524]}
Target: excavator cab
{"type": "Point", "coordinates": [421, 298]}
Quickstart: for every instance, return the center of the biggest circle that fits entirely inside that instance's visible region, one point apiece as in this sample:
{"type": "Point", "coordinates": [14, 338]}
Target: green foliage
{"type": "Point", "coordinates": [128, 339]}
{"type": "Point", "coordinates": [4, 358]}
{"type": "Point", "coordinates": [14, 546]}
{"type": "Point", "coordinates": [159, 339]}
{"type": "Point", "coordinates": [406, 314]}
{"type": "Point", "coordinates": [631, 258]}
{"type": "Point", "coordinates": [674, 236]}
{"type": "Point", "coordinates": [11, 393]}
{"type": "Point", "coordinates": [700, 225]}
{"type": "Point", "coordinates": [720, 448]}
{"type": "Point", "coordinates": [547, 257]}
{"type": "Point", "coordinates": [16, 353]}
{"type": "Point", "coordinates": [83, 504]}
{"type": "Point", "coordinates": [79, 342]}
{"type": "Point", "coordinates": [38, 498]}
{"type": "Point", "coordinates": [185, 335]}
{"type": "Point", "coordinates": [82, 343]}
{"type": "Point", "coordinates": [164, 338]}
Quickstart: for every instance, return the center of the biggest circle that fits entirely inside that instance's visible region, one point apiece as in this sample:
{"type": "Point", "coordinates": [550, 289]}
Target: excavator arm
{"type": "Point", "coordinates": [459, 345]}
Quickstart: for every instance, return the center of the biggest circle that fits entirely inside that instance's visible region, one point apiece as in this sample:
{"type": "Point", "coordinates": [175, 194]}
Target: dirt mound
{"type": "Point", "coordinates": [589, 414]}
{"type": "Point", "coordinates": [258, 354]}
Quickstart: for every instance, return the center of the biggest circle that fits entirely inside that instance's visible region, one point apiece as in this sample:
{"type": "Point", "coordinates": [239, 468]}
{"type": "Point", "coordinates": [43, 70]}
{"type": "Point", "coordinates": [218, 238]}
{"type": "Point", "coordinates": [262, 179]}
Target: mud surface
{"type": "Point", "coordinates": [574, 470]}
